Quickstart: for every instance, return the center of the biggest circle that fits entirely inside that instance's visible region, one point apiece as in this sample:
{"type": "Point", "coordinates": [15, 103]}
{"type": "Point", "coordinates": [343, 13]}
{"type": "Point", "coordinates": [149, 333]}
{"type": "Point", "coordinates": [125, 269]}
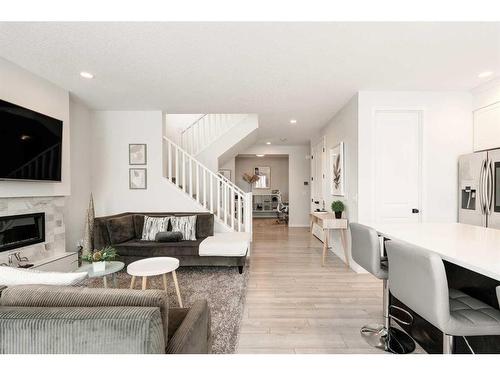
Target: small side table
{"type": "Point", "coordinates": [155, 267]}
{"type": "Point", "coordinates": [327, 222]}
{"type": "Point", "coordinates": [112, 267]}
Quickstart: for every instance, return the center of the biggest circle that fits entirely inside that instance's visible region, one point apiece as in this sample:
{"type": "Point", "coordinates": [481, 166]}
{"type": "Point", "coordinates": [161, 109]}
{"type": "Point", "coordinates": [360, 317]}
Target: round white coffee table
{"type": "Point", "coordinates": [155, 267]}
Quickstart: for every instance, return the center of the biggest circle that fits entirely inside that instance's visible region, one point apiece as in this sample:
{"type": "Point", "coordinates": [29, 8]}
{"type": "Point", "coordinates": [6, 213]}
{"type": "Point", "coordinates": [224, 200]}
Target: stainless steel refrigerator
{"type": "Point", "coordinates": [479, 189]}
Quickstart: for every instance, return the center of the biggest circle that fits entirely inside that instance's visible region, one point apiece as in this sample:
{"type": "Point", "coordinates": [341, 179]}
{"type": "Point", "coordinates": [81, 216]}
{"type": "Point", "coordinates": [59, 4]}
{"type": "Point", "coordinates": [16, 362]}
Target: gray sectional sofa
{"type": "Point", "coordinates": [75, 320]}
{"type": "Point", "coordinates": [124, 233]}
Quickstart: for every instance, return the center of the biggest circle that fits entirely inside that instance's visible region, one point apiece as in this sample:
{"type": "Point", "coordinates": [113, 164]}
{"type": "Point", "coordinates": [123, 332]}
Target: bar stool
{"type": "Point", "coordinates": [418, 279]}
{"type": "Point", "coordinates": [365, 250]}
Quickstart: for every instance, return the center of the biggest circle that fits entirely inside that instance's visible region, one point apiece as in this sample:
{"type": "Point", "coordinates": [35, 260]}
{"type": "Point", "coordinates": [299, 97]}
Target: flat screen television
{"type": "Point", "coordinates": [30, 144]}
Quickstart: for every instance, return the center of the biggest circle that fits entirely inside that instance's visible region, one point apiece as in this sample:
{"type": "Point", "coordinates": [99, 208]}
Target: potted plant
{"type": "Point", "coordinates": [338, 207]}
{"type": "Point", "coordinates": [98, 258]}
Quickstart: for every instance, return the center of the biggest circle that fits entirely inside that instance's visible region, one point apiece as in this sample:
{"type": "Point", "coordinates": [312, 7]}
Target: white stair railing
{"type": "Point", "coordinates": [231, 205]}
{"type": "Point", "coordinates": [209, 127]}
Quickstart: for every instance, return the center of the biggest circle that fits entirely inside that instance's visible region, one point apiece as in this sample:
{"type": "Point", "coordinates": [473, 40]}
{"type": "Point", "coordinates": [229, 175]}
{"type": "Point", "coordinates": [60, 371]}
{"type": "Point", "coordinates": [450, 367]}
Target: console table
{"type": "Point", "coordinates": [327, 222]}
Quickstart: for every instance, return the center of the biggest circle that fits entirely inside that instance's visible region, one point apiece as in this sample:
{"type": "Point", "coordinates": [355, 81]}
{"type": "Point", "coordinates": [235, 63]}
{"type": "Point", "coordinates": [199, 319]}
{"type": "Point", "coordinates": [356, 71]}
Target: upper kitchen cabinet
{"type": "Point", "coordinates": [487, 127]}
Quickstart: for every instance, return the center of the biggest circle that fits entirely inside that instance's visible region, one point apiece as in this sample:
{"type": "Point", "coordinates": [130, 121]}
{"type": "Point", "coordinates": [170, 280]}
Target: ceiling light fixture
{"type": "Point", "coordinates": [484, 74]}
{"type": "Point", "coordinates": [86, 75]}
{"type": "Point", "coordinates": [268, 143]}
{"type": "Point", "coordinates": [260, 155]}
{"type": "Point", "coordinates": [293, 121]}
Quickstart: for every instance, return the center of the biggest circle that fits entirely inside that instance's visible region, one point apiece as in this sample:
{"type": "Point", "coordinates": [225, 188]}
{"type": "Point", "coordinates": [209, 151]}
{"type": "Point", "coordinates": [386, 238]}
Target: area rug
{"type": "Point", "coordinates": [223, 287]}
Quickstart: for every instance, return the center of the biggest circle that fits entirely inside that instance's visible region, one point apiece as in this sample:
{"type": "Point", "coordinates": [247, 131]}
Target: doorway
{"type": "Point", "coordinates": [398, 166]}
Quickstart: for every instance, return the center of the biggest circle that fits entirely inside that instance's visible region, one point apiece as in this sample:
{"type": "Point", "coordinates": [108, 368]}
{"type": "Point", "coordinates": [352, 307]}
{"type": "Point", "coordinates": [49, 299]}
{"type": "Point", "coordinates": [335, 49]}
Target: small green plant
{"type": "Point", "coordinates": [106, 254]}
{"type": "Point", "coordinates": [338, 206]}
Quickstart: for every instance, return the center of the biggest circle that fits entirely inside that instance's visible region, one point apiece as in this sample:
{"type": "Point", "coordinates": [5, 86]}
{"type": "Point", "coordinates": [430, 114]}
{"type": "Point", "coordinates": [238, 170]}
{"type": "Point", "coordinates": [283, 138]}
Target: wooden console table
{"type": "Point", "coordinates": [327, 222]}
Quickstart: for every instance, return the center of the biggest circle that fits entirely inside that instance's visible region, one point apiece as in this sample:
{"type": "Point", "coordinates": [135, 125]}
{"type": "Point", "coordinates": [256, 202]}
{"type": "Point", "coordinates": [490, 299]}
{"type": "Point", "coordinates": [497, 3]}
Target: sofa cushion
{"type": "Point", "coordinates": [138, 225]}
{"type": "Point", "coordinates": [121, 229]}
{"type": "Point", "coordinates": [168, 237]}
{"type": "Point", "coordinates": [140, 248]}
{"type": "Point", "coordinates": [204, 225]}
{"type": "Point", "coordinates": [186, 225]}
{"type": "Point", "coordinates": [153, 225]}
{"type": "Point", "coordinates": [51, 297]}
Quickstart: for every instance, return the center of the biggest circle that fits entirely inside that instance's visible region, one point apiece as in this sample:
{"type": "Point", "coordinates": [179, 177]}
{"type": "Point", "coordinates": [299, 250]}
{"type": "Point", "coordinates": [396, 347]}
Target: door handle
{"type": "Point", "coordinates": [489, 190]}
{"type": "Point", "coordinates": [415, 211]}
{"type": "Point", "coordinates": [481, 187]}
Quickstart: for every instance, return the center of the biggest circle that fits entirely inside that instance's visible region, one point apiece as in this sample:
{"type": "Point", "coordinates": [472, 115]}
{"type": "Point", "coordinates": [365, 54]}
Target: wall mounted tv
{"type": "Point", "coordinates": [30, 144]}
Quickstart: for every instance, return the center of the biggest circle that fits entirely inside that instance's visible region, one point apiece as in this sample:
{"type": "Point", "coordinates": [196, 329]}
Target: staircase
{"type": "Point", "coordinates": [207, 129]}
{"type": "Point", "coordinates": [231, 206]}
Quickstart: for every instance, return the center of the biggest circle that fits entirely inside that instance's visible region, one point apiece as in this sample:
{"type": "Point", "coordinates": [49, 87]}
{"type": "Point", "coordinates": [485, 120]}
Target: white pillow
{"type": "Point", "coordinates": [186, 225]}
{"type": "Point", "coordinates": [153, 225]}
{"type": "Point", "coordinates": [18, 276]}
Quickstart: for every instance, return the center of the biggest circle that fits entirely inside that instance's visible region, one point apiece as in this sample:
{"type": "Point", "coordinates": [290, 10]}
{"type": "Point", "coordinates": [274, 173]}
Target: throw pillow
{"type": "Point", "coordinates": [168, 237]}
{"type": "Point", "coordinates": [186, 225]}
{"type": "Point", "coordinates": [121, 229]}
{"type": "Point", "coordinates": [153, 225]}
{"type": "Point", "coordinates": [18, 276]}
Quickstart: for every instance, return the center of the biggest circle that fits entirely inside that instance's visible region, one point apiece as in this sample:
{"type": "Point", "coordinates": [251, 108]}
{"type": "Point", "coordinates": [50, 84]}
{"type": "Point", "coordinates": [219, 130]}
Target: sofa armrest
{"type": "Point", "coordinates": [2, 287]}
{"type": "Point", "coordinates": [81, 330]}
{"type": "Point", "coordinates": [193, 336]}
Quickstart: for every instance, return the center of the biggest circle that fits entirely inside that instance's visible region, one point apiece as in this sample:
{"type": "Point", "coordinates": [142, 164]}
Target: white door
{"type": "Point", "coordinates": [397, 166]}
{"type": "Point", "coordinates": [317, 175]}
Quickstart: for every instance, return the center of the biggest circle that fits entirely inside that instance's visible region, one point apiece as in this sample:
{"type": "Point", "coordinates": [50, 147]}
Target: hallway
{"type": "Point", "coordinates": [294, 305]}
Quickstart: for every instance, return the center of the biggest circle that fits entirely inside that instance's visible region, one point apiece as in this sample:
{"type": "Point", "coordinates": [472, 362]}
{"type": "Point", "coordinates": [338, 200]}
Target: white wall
{"type": "Point", "coordinates": [23, 88]}
{"type": "Point", "coordinates": [75, 209]}
{"type": "Point", "coordinates": [279, 173]}
{"type": "Point", "coordinates": [299, 171]}
{"type": "Point", "coordinates": [112, 131]}
{"type": "Point", "coordinates": [343, 127]}
{"type": "Point", "coordinates": [447, 133]}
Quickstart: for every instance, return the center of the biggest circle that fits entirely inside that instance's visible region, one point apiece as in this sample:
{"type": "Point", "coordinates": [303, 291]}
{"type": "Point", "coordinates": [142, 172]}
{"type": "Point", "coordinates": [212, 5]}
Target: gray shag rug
{"type": "Point", "coordinates": [223, 287]}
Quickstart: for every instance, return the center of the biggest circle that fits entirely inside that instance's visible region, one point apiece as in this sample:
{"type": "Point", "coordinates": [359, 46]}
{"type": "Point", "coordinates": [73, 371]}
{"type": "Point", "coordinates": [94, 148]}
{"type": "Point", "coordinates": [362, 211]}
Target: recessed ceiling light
{"type": "Point", "coordinates": [260, 155]}
{"type": "Point", "coordinates": [268, 143]}
{"type": "Point", "coordinates": [293, 121]}
{"type": "Point", "coordinates": [86, 75]}
{"type": "Point", "coordinates": [484, 74]}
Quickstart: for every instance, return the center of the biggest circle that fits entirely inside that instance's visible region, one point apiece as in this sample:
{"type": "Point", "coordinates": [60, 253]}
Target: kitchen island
{"type": "Point", "coordinates": [471, 255]}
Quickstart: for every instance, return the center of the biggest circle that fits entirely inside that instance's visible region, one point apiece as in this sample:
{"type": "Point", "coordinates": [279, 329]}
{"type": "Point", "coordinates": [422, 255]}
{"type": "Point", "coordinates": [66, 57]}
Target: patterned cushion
{"type": "Point", "coordinates": [153, 225]}
{"type": "Point", "coordinates": [186, 225]}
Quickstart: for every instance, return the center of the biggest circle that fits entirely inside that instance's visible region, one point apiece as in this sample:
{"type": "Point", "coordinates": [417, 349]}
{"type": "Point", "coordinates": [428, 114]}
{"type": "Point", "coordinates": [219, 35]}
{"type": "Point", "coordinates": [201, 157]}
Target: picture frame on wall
{"type": "Point", "coordinates": [337, 170]}
{"type": "Point", "coordinates": [137, 154]}
{"type": "Point", "coordinates": [226, 173]}
{"type": "Point", "coordinates": [138, 178]}
{"type": "Point", "coordinates": [264, 181]}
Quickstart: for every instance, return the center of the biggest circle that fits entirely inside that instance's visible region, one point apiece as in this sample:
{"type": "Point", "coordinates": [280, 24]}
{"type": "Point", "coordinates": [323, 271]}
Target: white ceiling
{"type": "Point", "coordinates": [305, 71]}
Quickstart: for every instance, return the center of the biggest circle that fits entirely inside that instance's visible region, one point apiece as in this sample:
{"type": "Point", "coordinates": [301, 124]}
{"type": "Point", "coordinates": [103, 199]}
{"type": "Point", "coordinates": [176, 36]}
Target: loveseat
{"type": "Point", "coordinates": [38, 319]}
{"type": "Point", "coordinates": [124, 233]}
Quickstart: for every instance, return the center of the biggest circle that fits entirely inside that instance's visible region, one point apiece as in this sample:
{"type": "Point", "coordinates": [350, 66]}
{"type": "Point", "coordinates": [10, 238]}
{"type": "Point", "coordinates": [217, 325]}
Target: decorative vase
{"type": "Point", "coordinates": [99, 266]}
{"type": "Point", "coordinates": [338, 215]}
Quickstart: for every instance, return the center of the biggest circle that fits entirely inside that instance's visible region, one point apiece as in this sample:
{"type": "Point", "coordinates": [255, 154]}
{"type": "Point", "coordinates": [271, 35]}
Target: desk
{"type": "Point", "coordinates": [327, 221]}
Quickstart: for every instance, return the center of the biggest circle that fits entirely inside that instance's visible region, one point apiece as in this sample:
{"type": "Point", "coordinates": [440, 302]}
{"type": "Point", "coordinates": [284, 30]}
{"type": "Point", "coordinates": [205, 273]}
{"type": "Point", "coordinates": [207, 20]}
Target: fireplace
{"type": "Point", "coordinates": [21, 230]}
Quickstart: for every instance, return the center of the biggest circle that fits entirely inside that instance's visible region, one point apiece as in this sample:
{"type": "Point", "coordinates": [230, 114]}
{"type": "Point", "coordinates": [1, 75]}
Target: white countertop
{"type": "Point", "coordinates": [472, 247]}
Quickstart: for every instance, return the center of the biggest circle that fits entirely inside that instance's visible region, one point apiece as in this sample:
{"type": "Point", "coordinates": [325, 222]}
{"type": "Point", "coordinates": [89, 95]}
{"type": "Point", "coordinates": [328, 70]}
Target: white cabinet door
{"type": "Point", "coordinates": [397, 166]}
{"type": "Point", "coordinates": [487, 127]}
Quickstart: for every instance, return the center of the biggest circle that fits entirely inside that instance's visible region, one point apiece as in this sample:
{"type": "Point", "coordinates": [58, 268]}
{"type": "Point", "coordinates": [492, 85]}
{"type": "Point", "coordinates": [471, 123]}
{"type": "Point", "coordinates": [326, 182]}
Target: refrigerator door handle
{"type": "Point", "coordinates": [481, 187]}
{"type": "Point", "coordinates": [489, 184]}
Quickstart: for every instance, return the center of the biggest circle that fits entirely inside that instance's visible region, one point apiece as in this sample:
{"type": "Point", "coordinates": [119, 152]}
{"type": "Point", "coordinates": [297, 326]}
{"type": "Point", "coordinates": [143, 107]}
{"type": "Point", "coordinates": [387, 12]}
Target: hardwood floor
{"type": "Point", "coordinates": [294, 305]}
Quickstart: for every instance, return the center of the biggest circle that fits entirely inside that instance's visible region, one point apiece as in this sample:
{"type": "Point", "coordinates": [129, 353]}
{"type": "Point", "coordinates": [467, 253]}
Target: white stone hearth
{"type": "Point", "coordinates": [54, 225]}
